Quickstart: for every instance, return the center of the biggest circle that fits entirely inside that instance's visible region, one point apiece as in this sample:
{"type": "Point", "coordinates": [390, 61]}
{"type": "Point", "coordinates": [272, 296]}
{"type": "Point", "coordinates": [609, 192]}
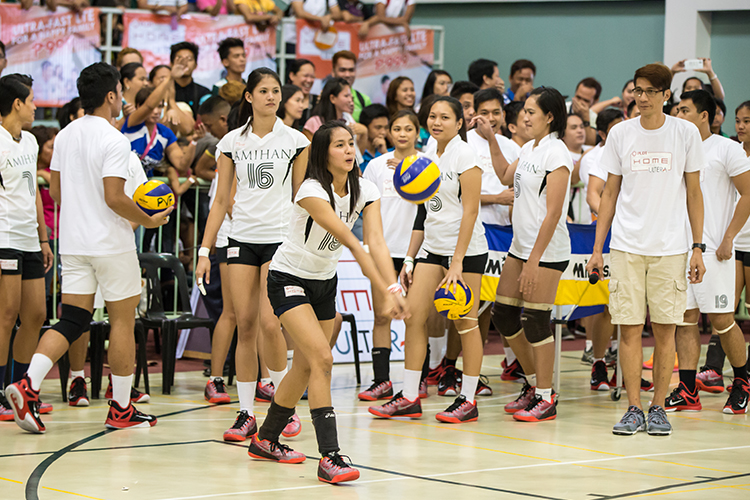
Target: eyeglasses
{"type": "Point", "coordinates": [638, 92]}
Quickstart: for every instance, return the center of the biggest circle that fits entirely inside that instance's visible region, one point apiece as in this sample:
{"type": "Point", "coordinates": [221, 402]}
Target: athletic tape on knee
{"type": "Point", "coordinates": [73, 322]}
{"type": "Point", "coordinates": [538, 306]}
{"type": "Point", "coordinates": [721, 332]}
{"type": "Point", "coordinates": [507, 319]}
{"type": "Point", "coordinates": [682, 323]}
{"type": "Point", "coordinates": [510, 301]}
{"type": "Point", "coordinates": [536, 325]}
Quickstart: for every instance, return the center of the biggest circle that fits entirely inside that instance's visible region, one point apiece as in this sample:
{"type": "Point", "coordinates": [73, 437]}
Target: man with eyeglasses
{"type": "Point", "coordinates": [185, 88]}
{"type": "Point", "coordinates": [653, 165]}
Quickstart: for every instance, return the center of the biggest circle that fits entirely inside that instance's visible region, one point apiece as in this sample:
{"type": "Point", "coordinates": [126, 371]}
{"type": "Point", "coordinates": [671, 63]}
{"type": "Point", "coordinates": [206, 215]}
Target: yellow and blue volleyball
{"type": "Point", "coordinates": [416, 179]}
{"type": "Point", "coordinates": [454, 305]}
{"type": "Point", "coordinates": [153, 196]}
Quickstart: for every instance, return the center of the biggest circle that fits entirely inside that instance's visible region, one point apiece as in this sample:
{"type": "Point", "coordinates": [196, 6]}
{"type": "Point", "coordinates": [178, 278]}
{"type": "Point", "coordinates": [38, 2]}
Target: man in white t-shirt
{"type": "Point", "coordinates": [591, 173]}
{"type": "Point", "coordinates": [395, 13]}
{"type": "Point", "coordinates": [654, 166]}
{"type": "Point", "coordinates": [88, 174]}
{"type": "Point", "coordinates": [727, 171]}
{"type": "Point", "coordinates": [323, 12]}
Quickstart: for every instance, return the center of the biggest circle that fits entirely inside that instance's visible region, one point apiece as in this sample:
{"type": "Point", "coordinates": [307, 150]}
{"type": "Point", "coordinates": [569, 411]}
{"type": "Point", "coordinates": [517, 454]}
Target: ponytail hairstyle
{"type": "Point", "coordinates": [325, 108]}
{"type": "Point", "coordinates": [127, 72]}
{"type": "Point", "coordinates": [317, 163]}
{"type": "Point", "coordinates": [253, 80]}
{"type": "Point", "coordinates": [549, 100]}
{"type": "Point", "coordinates": [458, 111]}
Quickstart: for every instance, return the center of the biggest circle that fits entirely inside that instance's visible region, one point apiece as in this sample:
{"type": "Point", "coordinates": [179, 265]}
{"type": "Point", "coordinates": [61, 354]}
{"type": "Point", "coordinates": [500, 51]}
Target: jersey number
{"type": "Point", "coordinates": [721, 301]}
{"type": "Point", "coordinates": [259, 175]}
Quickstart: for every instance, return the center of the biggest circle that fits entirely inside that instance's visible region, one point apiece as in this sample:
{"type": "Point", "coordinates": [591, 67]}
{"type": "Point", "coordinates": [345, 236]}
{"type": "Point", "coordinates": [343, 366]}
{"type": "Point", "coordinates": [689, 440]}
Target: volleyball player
{"type": "Point", "coordinates": [450, 230]}
{"type": "Point", "coordinates": [25, 254]}
{"type": "Point", "coordinates": [539, 253]}
{"type": "Point", "coordinates": [726, 172]}
{"type": "Point", "coordinates": [89, 169]}
{"type": "Point", "coordinates": [268, 159]}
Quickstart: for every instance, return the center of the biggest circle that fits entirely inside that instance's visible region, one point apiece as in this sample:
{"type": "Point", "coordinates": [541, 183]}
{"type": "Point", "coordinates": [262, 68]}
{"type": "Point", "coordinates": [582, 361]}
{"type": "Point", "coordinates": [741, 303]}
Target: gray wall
{"type": "Point", "coordinates": [730, 56]}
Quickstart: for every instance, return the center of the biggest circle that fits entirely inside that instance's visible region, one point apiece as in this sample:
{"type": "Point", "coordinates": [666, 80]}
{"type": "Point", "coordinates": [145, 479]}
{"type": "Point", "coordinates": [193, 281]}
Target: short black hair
{"type": "Point", "coordinates": [371, 112]}
{"type": "Point", "coordinates": [484, 95]}
{"type": "Point", "coordinates": [522, 64]}
{"type": "Point", "coordinates": [703, 101]}
{"type": "Point", "coordinates": [213, 105]}
{"type": "Point", "coordinates": [294, 66]}
{"type": "Point", "coordinates": [479, 69]}
{"type": "Point", "coordinates": [67, 109]}
{"type": "Point", "coordinates": [463, 87]}
{"type": "Point", "coordinates": [12, 87]}
{"type": "Point", "coordinates": [591, 83]}
{"type": "Point", "coordinates": [226, 44]}
{"type": "Point", "coordinates": [174, 49]}
{"type": "Point", "coordinates": [512, 111]}
{"type": "Point", "coordinates": [606, 117]}
{"type": "Point", "coordinates": [630, 108]}
{"type": "Point", "coordinates": [550, 100]}
{"type": "Point", "coordinates": [94, 83]}
{"type": "Point", "coordinates": [128, 71]}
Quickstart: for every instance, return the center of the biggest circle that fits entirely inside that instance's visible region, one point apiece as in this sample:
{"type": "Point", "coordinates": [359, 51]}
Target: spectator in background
{"type": "Point", "coordinates": [292, 105]}
{"type": "Point", "coordinates": [464, 92]}
{"type": "Point", "coordinates": [302, 74]}
{"type": "Point", "coordinates": [522, 73]}
{"type": "Point", "coordinates": [586, 95]}
{"type": "Point", "coordinates": [216, 7]}
{"type": "Point", "coordinates": [424, 137]}
{"type": "Point", "coordinates": [345, 66]}
{"type": "Point", "coordinates": [401, 95]}
{"type": "Point", "coordinates": [622, 101]}
{"type": "Point", "coordinates": [354, 11]}
{"type": "Point", "coordinates": [515, 129]}
{"type": "Point", "coordinates": [165, 7]}
{"type": "Point", "coordinates": [438, 83]}
{"type": "Point", "coordinates": [3, 58]}
{"type": "Point", "coordinates": [185, 88]}
{"type": "Point", "coordinates": [373, 143]}
{"type": "Point", "coordinates": [484, 74]}
{"type": "Point", "coordinates": [633, 111]}
{"type": "Point", "coordinates": [394, 13]}
{"type": "Point", "coordinates": [575, 136]}
{"type": "Point", "coordinates": [232, 55]}
{"type": "Point", "coordinates": [721, 112]}
{"type": "Point", "coordinates": [335, 103]}
{"type": "Point", "coordinates": [695, 83]}
{"type": "Point", "coordinates": [178, 119]}
{"type": "Point", "coordinates": [133, 78]}
{"type": "Point", "coordinates": [68, 112]}
{"type": "Point", "coordinates": [322, 12]}
{"type": "Point", "coordinates": [214, 114]}
{"type": "Point", "coordinates": [232, 92]}
{"type": "Point", "coordinates": [261, 13]}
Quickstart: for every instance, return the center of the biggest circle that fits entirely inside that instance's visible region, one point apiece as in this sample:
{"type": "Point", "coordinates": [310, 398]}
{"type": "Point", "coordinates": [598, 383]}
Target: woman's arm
{"type": "Point", "coordinates": [741, 213]}
{"type": "Point", "coordinates": [157, 96]}
{"type": "Point", "coordinates": [44, 174]}
{"type": "Point", "coordinates": [373, 235]}
{"type": "Point", "coordinates": [47, 255]}
{"type": "Point", "coordinates": [471, 187]}
{"type": "Point", "coordinates": [299, 169]}
{"type": "Point", "coordinates": [180, 159]}
{"type": "Point", "coordinates": [594, 193]}
{"type": "Point", "coordinates": [216, 216]}
{"type": "Point", "coordinates": [205, 168]}
{"type": "Point", "coordinates": [54, 186]}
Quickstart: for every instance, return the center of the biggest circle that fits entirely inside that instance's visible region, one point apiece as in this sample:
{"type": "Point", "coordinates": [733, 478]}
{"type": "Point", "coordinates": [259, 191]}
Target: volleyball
{"type": "Point", "coordinates": [454, 305]}
{"type": "Point", "coordinates": [416, 179]}
{"type": "Point", "coordinates": [153, 197]}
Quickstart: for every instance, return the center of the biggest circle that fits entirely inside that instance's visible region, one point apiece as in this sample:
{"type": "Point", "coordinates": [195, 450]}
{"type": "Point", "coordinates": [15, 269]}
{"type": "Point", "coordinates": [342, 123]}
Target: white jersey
{"type": "Point", "coordinates": [444, 210]}
{"type": "Point", "coordinates": [398, 214]}
{"type": "Point", "coordinates": [650, 214]}
{"type": "Point", "coordinates": [493, 214]}
{"type": "Point", "coordinates": [309, 251]}
{"type": "Point", "coordinates": [18, 185]}
{"type": "Point", "coordinates": [591, 165]}
{"type": "Point", "coordinates": [396, 8]}
{"type": "Point", "coordinates": [136, 175]}
{"type": "Point", "coordinates": [86, 152]}
{"type": "Point", "coordinates": [742, 240]}
{"type": "Point", "coordinates": [530, 206]}
{"type": "Point", "coordinates": [222, 237]}
{"type": "Point", "coordinates": [263, 201]}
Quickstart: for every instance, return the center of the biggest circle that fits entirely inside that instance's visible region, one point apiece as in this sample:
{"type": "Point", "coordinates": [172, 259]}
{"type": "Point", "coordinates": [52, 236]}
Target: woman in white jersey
{"type": "Point", "coordinates": [302, 289]}
{"type": "Point", "coordinates": [449, 229]}
{"type": "Point", "coordinates": [539, 253]}
{"type": "Point", "coordinates": [25, 254]}
{"type": "Point", "coordinates": [268, 159]}
{"type": "Point", "coordinates": [398, 218]}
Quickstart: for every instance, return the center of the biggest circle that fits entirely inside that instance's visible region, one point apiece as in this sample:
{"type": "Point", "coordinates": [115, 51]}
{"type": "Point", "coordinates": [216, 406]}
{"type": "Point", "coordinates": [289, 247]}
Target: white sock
{"type": "Point", "coordinates": [510, 356]}
{"type": "Point", "coordinates": [598, 359]}
{"type": "Point", "coordinates": [589, 344]}
{"type": "Point", "coordinates": [411, 384]}
{"type": "Point", "coordinates": [531, 379]}
{"type": "Point", "coordinates": [38, 369]}
{"type": "Point", "coordinates": [74, 374]}
{"type": "Point", "coordinates": [436, 350]}
{"type": "Point", "coordinates": [277, 376]}
{"type": "Point", "coordinates": [121, 389]}
{"type": "Point", "coordinates": [545, 394]}
{"type": "Point", "coordinates": [289, 358]}
{"type": "Point", "coordinates": [614, 345]}
{"type": "Point", "coordinates": [246, 392]}
{"type": "Point", "coordinates": [265, 380]}
{"type": "Point", "coordinates": [469, 387]}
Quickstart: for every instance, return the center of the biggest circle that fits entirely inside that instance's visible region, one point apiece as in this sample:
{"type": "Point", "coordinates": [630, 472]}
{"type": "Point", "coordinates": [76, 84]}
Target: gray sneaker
{"type": "Point", "coordinates": [588, 356]}
{"type": "Point", "coordinates": [633, 421]}
{"type": "Point", "coordinates": [658, 425]}
{"type": "Point", "coordinates": [610, 357]}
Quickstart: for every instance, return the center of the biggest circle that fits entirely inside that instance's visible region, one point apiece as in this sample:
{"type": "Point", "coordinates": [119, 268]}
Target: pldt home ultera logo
{"type": "Point", "coordinates": [646, 161]}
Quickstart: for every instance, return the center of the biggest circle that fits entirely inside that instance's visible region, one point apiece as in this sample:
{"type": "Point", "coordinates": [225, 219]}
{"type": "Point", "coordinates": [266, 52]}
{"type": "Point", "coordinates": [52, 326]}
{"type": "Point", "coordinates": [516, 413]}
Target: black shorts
{"type": "Point", "coordinates": [556, 266]}
{"type": "Point", "coordinates": [398, 263]}
{"type": "Point", "coordinates": [743, 257]}
{"type": "Point", "coordinates": [474, 264]}
{"type": "Point", "coordinates": [29, 265]}
{"type": "Point", "coordinates": [286, 291]}
{"type": "Point", "coordinates": [221, 255]}
{"type": "Point", "coordinates": [250, 254]}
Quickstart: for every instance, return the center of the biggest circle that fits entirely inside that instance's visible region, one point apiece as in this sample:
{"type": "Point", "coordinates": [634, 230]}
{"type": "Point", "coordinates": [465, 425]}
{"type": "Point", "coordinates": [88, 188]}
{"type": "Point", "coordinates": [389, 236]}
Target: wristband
{"type": "Point", "coordinates": [204, 252]}
{"type": "Point", "coordinates": [191, 180]}
{"type": "Point", "coordinates": [45, 241]}
{"type": "Point", "coordinates": [396, 289]}
{"type": "Point", "coordinates": [408, 264]}
{"type": "Point", "coordinates": [715, 77]}
{"type": "Point", "coordinates": [193, 143]}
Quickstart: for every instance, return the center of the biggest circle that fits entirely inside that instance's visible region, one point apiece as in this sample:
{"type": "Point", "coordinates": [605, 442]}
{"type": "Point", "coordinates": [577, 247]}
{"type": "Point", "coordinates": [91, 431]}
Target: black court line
{"type": "Point", "coordinates": [109, 448]}
{"type": "Point", "coordinates": [672, 486]}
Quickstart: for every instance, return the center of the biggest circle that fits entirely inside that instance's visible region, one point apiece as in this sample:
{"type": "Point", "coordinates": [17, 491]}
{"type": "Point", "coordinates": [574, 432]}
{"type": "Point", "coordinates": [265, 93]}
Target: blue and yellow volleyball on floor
{"type": "Point", "coordinates": [454, 305]}
{"type": "Point", "coordinates": [153, 196]}
{"type": "Point", "coordinates": [416, 179]}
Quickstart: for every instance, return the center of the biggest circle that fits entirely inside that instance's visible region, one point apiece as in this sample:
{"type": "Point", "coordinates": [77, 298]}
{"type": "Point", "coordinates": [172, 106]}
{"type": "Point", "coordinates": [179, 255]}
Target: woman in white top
{"type": "Point", "coordinates": [302, 289]}
{"type": "Point", "coordinates": [268, 159]}
{"type": "Point", "coordinates": [742, 241]}
{"type": "Point", "coordinates": [450, 231]}
{"type": "Point", "coordinates": [539, 253]}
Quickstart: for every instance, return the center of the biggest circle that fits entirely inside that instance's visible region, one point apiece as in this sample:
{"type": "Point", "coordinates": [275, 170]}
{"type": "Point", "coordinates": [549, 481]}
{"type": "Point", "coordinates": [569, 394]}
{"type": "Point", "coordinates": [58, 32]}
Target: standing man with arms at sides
{"type": "Point", "coordinates": [88, 172]}
{"type": "Point", "coordinates": [654, 165]}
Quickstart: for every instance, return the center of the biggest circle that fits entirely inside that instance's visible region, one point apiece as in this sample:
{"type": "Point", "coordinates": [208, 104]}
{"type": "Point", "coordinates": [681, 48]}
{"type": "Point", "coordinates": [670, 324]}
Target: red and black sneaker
{"type": "Point", "coordinates": [136, 396]}
{"type": "Point", "coordinates": [483, 387]}
{"type": "Point", "coordinates": [244, 426]}
{"type": "Point", "coordinates": [126, 418]}
{"type": "Point", "coordinates": [460, 411]}
{"type": "Point", "coordinates": [293, 427]}
{"type": "Point", "coordinates": [523, 400]}
{"type": "Point", "coordinates": [216, 392]}
{"type": "Point", "coordinates": [44, 408]}
{"type": "Point", "coordinates": [513, 373]}
{"type": "Point", "coordinates": [6, 414]}
{"type": "Point", "coordinates": [449, 383]}
{"type": "Point", "coordinates": [433, 376]}
{"type": "Point", "coordinates": [398, 406]}
{"type": "Point", "coordinates": [423, 390]}
{"type": "Point", "coordinates": [709, 380]}
{"type": "Point", "coordinates": [333, 469]}
{"type": "Point", "coordinates": [646, 385]}
{"type": "Point", "coordinates": [264, 392]}
{"type": "Point", "coordinates": [738, 398]}
{"type": "Point", "coordinates": [24, 401]}
{"type": "Point", "coordinates": [273, 450]}
{"type": "Point", "coordinates": [683, 400]}
{"type": "Point", "coordinates": [538, 410]}
{"type": "Point", "coordinates": [599, 376]}
{"type": "Point", "coordinates": [78, 395]}
{"type": "Point", "coordinates": [378, 390]}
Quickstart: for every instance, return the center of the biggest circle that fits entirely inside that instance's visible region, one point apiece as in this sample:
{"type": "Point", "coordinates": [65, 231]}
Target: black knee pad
{"type": "Point", "coordinates": [73, 322]}
{"type": "Point", "coordinates": [536, 326]}
{"type": "Point", "coordinates": [507, 319]}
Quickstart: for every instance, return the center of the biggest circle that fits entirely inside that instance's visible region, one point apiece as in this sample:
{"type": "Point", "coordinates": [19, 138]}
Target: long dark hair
{"type": "Point", "coordinates": [429, 84]}
{"type": "Point", "coordinates": [317, 163]}
{"type": "Point", "coordinates": [287, 91]}
{"type": "Point", "coordinates": [253, 80]}
{"type": "Point", "coordinates": [390, 98]}
{"type": "Point", "coordinates": [325, 108]}
{"type": "Point", "coordinates": [458, 111]}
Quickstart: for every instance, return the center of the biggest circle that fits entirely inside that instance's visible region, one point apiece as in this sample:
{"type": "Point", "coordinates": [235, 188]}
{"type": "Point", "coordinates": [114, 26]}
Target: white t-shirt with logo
{"type": "Point", "coordinates": [445, 210]}
{"type": "Point", "coordinates": [651, 210]}
{"type": "Point", "coordinates": [398, 214]}
{"type": "Point", "coordinates": [309, 251]}
{"type": "Point", "coordinates": [263, 166]}
{"type": "Point", "coordinates": [493, 214]}
{"type": "Point", "coordinates": [396, 8]}
{"type": "Point", "coordinates": [18, 216]}
{"type": "Point", "coordinates": [530, 205]}
{"type": "Point", "coordinates": [87, 151]}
